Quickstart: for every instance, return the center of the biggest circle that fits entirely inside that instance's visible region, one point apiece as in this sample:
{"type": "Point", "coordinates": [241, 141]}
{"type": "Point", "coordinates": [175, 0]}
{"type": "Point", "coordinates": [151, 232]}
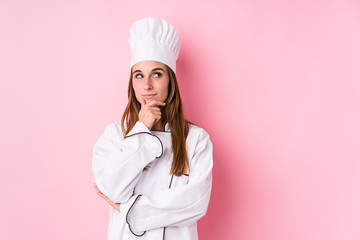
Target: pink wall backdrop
{"type": "Point", "coordinates": [275, 83]}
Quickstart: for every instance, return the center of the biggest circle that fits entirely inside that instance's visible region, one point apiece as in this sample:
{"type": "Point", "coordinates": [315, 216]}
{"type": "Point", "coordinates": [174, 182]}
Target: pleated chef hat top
{"type": "Point", "coordinates": [154, 39]}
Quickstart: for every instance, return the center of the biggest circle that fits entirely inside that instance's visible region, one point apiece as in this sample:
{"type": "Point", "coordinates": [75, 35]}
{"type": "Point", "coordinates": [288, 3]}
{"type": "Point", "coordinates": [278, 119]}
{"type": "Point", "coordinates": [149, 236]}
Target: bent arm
{"type": "Point", "coordinates": [178, 206]}
{"type": "Point", "coordinates": [118, 163]}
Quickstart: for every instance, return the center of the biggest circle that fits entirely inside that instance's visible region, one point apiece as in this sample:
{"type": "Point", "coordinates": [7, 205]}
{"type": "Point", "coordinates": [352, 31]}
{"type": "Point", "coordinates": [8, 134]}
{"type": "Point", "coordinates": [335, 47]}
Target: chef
{"type": "Point", "coordinates": [153, 167]}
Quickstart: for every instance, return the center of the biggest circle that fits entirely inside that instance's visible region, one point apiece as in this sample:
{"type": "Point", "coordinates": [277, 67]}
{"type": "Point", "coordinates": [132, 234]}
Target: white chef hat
{"type": "Point", "coordinates": [154, 39]}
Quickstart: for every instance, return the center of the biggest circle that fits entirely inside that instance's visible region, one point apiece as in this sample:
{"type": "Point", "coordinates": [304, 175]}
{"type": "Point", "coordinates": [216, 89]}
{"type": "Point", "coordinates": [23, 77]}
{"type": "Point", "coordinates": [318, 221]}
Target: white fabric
{"type": "Point", "coordinates": [152, 200]}
{"type": "Point", "coordinates": [154, 39]}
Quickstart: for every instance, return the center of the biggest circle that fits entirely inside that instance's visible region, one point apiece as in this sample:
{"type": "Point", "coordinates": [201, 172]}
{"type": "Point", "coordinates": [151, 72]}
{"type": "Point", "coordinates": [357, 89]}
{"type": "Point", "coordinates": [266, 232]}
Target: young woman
{"type": "Point", "coordinates": [153, 167]}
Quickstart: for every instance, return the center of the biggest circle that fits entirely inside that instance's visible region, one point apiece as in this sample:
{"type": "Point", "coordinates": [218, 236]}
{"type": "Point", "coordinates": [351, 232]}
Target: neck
{"type": "Point", "coordinates": [158, 126]}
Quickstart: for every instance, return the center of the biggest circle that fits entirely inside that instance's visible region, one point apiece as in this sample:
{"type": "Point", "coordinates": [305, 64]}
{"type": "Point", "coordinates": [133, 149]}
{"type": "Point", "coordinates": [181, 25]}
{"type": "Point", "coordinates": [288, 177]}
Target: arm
{"type": "Point", "coordinates": [118, 163]}
{"type": "Point", "coordinates": [178, 206]}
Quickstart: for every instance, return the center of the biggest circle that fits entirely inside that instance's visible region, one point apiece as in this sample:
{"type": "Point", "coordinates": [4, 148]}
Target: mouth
{"type": "Point", "coordinates": [149, 96]}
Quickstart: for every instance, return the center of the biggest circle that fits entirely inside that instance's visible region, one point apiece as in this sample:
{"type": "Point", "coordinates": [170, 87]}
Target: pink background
{"type": "Point", "coordinates": [275, 83]}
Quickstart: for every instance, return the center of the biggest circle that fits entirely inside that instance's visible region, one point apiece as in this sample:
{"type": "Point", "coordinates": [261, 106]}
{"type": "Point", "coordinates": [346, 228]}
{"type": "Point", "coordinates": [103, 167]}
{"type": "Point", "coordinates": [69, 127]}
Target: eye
{"type": "Point", "coordinates": [136, 76]}
{"type": "Point", "coordinates": [157, 74]}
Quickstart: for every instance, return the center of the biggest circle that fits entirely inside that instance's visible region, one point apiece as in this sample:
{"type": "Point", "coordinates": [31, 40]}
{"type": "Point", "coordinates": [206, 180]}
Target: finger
{"type": "Point", "coordinates": [114, 205]}
{"type": "Point", "coordinates": [96, 187]}
{"type": "Point", "coordinates": [101, 195]}
{"type": "Point", "coordinates": [117, 206]}
{"type": "Point", "coordinates": [155, 109]}
{"type": "Point", "coordinates": [155, 113]}
{"type": "Point", "coordinates": [105, 198]}
{"type": "Point", "coordinates": [142, 101]}
{"type": "Point", "coordinates": [109, 201]}
{"type": "Point", "coordinates": [157, 117]}
{"type": "Point", "coordinates": [155, 102]}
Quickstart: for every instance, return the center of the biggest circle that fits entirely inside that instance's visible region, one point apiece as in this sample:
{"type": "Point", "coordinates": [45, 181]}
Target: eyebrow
{"type": "Point", "coordinates": [155, 69]}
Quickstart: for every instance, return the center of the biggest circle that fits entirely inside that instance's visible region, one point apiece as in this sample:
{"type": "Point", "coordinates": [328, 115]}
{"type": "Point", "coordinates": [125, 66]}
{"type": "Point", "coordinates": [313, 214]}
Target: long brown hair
{"type": "Point", "coordinates": [172, 113]}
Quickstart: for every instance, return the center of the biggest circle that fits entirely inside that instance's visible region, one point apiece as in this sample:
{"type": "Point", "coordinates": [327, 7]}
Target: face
{"type": "Point", "coordinates": [150, 81]}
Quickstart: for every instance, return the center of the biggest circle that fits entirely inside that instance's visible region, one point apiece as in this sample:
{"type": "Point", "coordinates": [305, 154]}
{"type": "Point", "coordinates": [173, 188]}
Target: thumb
{"type": "Point", "coordinates": [142, 101]}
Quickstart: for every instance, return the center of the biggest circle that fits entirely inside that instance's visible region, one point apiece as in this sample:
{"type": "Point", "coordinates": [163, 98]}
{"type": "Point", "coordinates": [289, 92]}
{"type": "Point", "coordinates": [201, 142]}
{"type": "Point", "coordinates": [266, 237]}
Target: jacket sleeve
{"type": "Point", "coordinates": [119, 162]}
{"type": "Point", "coordinates": [177, 206]}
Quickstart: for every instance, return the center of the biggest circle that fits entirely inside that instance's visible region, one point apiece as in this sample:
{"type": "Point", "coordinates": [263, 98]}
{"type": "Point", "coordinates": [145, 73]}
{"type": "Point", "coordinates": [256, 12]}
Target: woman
{"type": "Point", "coordinates": [153, 167]}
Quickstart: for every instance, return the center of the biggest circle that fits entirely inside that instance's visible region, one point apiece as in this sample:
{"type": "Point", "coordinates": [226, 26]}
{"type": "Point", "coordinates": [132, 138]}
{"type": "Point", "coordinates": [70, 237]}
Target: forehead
{"type": "Point", "coordinates": [148, 66]}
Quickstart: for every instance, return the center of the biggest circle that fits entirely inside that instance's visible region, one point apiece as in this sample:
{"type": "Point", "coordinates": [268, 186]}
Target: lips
{"type": "Point", "coordinates": [149, 96]}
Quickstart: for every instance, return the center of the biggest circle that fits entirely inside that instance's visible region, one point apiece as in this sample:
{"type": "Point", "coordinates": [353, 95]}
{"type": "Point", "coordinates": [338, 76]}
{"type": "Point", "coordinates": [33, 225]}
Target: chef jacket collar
{"type": "Point", "coordinates": [167, 128]}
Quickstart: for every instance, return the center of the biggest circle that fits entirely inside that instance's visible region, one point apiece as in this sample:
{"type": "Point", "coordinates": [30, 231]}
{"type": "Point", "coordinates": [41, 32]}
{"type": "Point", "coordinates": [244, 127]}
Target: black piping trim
{"type": "Point", "coordinates": [171, 181]}
{"type": "Point", "coordinates": [169, 188]}
{"type": "Point", "coordinates": [186, 174]}
{"type": "Point", "coordinates": [129, 223]}
{"type": "Point", "coordinates": [162, 147]}
{"type": "Point", "coordinates": [136, 134]}
{"type": "Point", "coordinates": [160, 131]}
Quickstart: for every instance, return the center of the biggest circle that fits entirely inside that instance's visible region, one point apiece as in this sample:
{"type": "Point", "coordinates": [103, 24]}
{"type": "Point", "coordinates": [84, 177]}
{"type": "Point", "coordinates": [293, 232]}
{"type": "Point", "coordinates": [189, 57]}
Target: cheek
{"type": "Point", "coordinates": [165, 90]}
{"type": "Point", "coordinates": [136, 90]}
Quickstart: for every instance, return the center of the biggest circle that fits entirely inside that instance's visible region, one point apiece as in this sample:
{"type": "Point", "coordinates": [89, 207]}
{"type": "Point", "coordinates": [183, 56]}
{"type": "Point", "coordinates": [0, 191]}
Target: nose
{"type": "Point", "coordinates": [147, 83]}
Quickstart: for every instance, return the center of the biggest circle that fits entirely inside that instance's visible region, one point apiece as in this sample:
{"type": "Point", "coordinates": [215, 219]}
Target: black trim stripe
{"type": "Point", "coordinates": [137, 134]}
{"type": "Point", "coordinates": [128, 221]}
{"type": "Point", "coordinates": [162, 147]}
{"type": "Point", "coordinates": [171, 181]}
{"type": "Point", "coordinates": [169, 188]}
{"type": "Point", "coordinates": [160, 131]}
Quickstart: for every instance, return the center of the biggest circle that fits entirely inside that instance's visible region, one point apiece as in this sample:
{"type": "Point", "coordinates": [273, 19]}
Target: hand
{"type": "Point", "coordinates": [150, 112]}
{"type": "Point", "coordinates": [114, 205]}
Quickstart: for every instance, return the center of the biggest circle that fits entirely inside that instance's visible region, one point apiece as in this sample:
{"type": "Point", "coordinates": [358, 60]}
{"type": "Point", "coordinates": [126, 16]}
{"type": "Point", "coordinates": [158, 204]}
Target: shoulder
{"type": "Point", "coordinates": [113, 130]}
{"type": "Point", "coordinates": [197, 133]}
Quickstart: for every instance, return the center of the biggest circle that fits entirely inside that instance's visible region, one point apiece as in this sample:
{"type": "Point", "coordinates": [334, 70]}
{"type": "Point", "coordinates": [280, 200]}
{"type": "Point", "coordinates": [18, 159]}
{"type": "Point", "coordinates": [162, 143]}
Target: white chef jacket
{"type": "Point", "coordinates": [153, 203]}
